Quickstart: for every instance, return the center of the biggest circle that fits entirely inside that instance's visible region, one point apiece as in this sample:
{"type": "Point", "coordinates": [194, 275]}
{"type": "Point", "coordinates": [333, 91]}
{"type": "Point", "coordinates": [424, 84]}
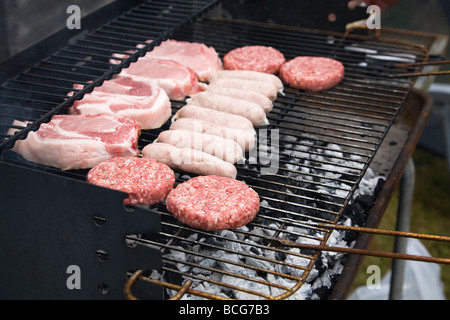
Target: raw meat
{"type": "Point", "coordinates": [252, 96]}
{"type": "Point", "coordinates": [225, 149]}
{"type": "Point", "coordinates": [219, 117]}
{"type": "Point", "coordinates": [254, 58]}
{"type": "Point", "coordinates": [263, 87]}
{"type": "Point", "coordinates": [245, 138]}
{"type": "Point", "coordinates": [248, 75]}
{"type": "Point", "coordinates": [247, 109]}
{"type": "Point", "coordinates": [312, 73]}
{"type": "Point", "coordinates": [177, 80]}
{"type": "Point", "coordinates": [145, 180]}
{"type": "Point", "coordinates": [203, 60]}
{"type": "Point", "coordinates": [145, 103]}
{"type": "Point", "coordinates": [79, 141]}
{"type": "Point", "coordinates": [213, 203]}
{"type": "Point", "coordinates": [189, 160]}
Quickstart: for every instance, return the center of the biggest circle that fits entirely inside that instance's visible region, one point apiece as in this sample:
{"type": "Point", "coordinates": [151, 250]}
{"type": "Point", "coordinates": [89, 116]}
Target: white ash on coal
{"type": "Point", "coordinates": [314, 181]}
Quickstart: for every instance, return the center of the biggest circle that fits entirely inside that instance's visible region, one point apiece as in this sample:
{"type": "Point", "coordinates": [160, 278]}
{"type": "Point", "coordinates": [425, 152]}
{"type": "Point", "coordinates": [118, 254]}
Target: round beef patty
{"type": "Point", "coordinates": [213, 203]}
{"type": "Point", "coordinates": [312, 73]}
{"type": "Point", "coordinates": [254, 58]}
{"type": "Point", "coordinates": [145, 180]}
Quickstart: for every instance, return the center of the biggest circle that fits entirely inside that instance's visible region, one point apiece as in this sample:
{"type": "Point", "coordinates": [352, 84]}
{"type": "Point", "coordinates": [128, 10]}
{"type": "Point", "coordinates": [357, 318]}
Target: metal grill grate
{"type": "Point", "coordinates": [326, 143]}
{"type": "Point", "coordinates": [322, 142]}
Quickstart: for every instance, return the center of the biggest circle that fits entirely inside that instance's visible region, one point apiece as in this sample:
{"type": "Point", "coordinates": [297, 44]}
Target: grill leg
{"type": "Point", "coordinates": [403, 223]}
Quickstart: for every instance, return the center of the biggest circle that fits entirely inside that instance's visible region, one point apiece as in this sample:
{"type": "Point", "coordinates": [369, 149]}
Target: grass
{"type": "Point", "coordinates": [430, 215]}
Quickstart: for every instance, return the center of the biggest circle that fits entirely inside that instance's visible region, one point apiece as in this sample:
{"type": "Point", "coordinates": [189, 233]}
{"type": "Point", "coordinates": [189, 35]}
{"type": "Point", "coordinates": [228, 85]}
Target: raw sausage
{"type": "Point", "coordinates": [248, 75]}
{"type": "Point", "coordinates": [251, 96]}
{"type": "Point", "coordinates": [245, 138]}
{"type": "Point", "coordinates": [265, 88]}
{"type": "Point", "coordinates": [189, 160]}
{"type": "Point", "coordinates": [222, 148]}
{"type": "Point", "coordinates": [249, 110]}
{"type": "Point", "coordinates": [219, 117]}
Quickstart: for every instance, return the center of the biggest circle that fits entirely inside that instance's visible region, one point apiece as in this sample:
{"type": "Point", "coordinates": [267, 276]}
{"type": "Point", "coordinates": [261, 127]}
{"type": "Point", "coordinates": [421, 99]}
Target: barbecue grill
{"type": "Point", "coordinates": [309, 165]}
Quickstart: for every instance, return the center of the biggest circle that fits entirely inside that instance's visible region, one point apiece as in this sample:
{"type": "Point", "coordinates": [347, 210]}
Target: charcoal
{"type": "Point", "coordinates": [255, 251]}
{"type": "Point", "coordinates": [365, 201]}
{"type": "Point", "coordinates": [379, 185]}
{"type": "Point", "coordinates": [321, 264]}
{"type": "Point", "coordinates": [280, 256]}
{"type": "Point", "coordinates": [173, 277]}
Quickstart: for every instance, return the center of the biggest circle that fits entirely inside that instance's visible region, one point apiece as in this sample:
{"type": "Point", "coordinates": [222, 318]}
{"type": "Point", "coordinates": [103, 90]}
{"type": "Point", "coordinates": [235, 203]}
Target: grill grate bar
{"type": "Point", "coordinates": [343, 97]}
{"type": "Point", "coordinates": [115, 37]}
{"type": "Point", "coordinates": [56, 65]}
{"type": "Point", "coordinates": [275, 184]}
{"type": "Point", "coordinates": [125, 30]}
{"type": "Point", "coordinates": [313, 110]}
{"type": "Point", "coordinates": [116, 48]}
{"type": "Point", "coordinates": [330, 135]}
{"type": "Point", "coordinates": [27, 100]}
{"type": "Point", "coordinates": [50, 95]}
{"type": "Point", "coordinates": [51, 78]}
{"type": "Point", "coordinates": [328, 105]}
{"type": "Point", "coordinates": [355, 153]}
{"type": "Point", "coordinates": [60, 72]}
{"type": "Point", "coordinates": [215, 247]}
{"type": "Point", "coordinates": [331, 125]}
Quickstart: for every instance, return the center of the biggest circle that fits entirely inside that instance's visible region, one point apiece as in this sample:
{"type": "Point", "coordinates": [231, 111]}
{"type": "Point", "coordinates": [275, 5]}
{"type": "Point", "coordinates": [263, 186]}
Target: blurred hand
{"type": "Point", "coordinates": [383, 4]}
{"type": "Point", "coordinates": [352, 4]}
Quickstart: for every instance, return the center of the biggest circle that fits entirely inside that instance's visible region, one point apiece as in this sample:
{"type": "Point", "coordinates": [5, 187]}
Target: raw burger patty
{"type": "Point", "coordinates": [255, 58]}
{"type": "Point", "coordinates": [312, 73]}
{"type": "Point", "coordinates": [213, 203]}
{"type": "Point", "coordinates": [145, 180]}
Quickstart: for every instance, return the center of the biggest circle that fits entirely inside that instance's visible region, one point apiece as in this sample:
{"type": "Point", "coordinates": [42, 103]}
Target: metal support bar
{"type": "Point", "coordinates": [403, 223]}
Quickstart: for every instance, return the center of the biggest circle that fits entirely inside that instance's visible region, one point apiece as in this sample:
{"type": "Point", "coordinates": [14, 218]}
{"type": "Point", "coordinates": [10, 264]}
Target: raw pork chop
{"type": "Point", "coordinates": [177, 80]}
{"type": "Point", "coordinates": [203, 60]}
{"type": "Point", "coordinates": [145, 103]}
{"type": "Point", "coordinates": [79, 141]}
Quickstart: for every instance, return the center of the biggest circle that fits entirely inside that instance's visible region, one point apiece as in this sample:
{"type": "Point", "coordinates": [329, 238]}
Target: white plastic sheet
{"type": "Point", "coordinates": [422, 280]}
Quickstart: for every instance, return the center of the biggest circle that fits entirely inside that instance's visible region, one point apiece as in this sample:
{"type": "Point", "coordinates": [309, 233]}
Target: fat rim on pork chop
{"type": "Point", "coordinates": [213, 203]}
{"type": "Point", "coordinates": [145, 180]}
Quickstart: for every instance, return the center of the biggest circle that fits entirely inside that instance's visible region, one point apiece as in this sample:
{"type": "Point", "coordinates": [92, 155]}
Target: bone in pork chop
{"type": "Point", "coordinates": [177, 80]}
{"type": "Point", "coordinates": [145, 103]}
{"type": "Point", "coordinates": [203, 60]}
{"type": "Point", "coordinates": [79, 141]}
